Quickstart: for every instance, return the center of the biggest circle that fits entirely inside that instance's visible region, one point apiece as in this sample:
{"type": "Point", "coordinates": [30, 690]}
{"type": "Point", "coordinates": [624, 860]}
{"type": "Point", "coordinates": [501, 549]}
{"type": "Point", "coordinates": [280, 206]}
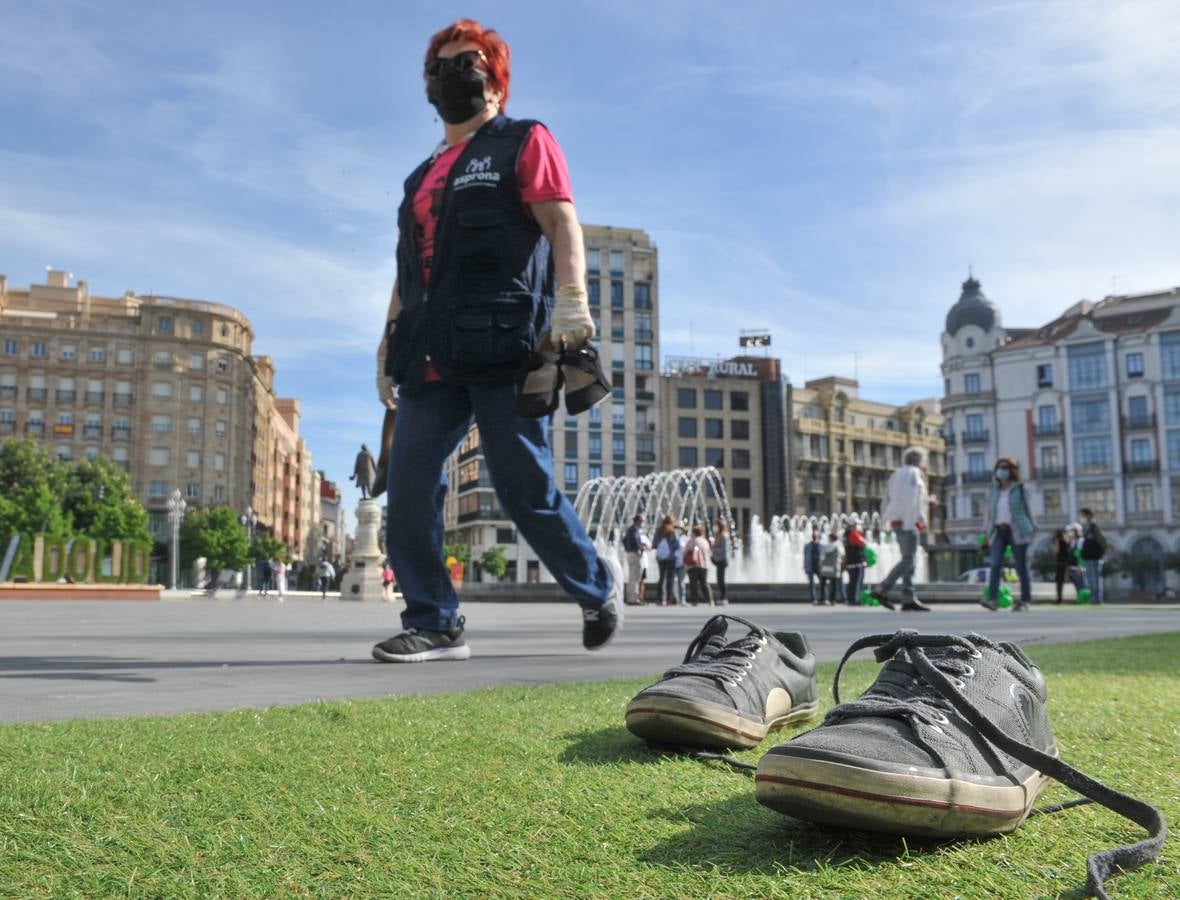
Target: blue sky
{"type": "Point", "coordinates": [827, 171]}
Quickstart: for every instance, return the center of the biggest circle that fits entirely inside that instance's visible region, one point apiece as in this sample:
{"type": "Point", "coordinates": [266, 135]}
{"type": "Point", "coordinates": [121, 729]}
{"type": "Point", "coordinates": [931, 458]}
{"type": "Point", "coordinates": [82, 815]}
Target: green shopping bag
{"type": "Point", "coordinates": [867, 599]}
{"type": "Point", "coordinates": [870, 556]}
{"type": "Point", "coordinates": [1084, 595]}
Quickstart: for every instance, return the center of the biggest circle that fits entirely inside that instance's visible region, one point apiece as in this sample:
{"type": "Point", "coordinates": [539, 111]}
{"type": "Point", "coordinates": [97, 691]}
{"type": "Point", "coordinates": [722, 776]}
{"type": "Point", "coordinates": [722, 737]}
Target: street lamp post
{"type": "Point", "coordinates": [176, 507]}
{"type": "Point", "coordinates": [249, 519]}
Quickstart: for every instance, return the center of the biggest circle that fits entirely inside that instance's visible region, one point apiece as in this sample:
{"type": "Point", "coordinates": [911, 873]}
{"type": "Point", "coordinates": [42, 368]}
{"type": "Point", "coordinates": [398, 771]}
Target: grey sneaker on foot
{"type": "Point", "coordinates": [424, 645]}
{"type": "Point", "coordinates": [729, 692]}
{"type": "Point", "coordinates": [951, 740]}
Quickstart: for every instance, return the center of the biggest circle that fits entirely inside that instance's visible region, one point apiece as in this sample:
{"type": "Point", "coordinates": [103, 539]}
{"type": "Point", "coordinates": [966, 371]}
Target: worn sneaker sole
{"type": "Point", "coordinates": [915, 802]}
{"type": "Point", "coordinates": [671, 720]}
{"type": "Point", "coordinates": [463, 651]}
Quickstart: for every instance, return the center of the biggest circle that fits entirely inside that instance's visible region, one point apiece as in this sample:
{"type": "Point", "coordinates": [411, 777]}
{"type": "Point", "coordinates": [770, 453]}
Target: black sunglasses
{"type": "Point", "coordinates": [460, 62]}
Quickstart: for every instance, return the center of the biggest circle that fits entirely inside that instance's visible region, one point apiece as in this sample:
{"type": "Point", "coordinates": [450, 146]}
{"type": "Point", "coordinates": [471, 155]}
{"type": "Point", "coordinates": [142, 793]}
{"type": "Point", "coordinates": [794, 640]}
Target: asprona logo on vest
{"type": "Point", "coordinates": [479, 173]}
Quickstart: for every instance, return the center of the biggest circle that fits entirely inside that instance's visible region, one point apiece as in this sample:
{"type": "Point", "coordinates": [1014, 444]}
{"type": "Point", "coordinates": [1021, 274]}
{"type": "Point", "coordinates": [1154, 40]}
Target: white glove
{"type": "Point", "coordinates": [386, 389]}
{"type": "Point", "coordinates": [571, 320]}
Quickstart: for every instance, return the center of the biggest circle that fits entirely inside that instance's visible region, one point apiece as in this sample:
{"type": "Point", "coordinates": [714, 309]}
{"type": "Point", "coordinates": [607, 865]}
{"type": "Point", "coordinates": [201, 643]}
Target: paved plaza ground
{"type": "Point", "coordinates": [64, 660]}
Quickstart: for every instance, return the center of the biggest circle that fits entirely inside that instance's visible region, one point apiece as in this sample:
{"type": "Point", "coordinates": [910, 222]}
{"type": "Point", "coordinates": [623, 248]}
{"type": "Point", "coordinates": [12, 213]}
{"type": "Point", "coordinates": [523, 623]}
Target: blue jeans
{"type": "Point", "coordinates": [856, 580]}
{"type": "Point", "coordinates": [811, 576]}
{"type": "Point", "coordinates": [1002, 538]}
{"type": "Point", "coordinates": [907, 543]}
{"type": "Point", "coordinates": [430, 425]}
{"type": "Point", "coordinates": [1094, 579]}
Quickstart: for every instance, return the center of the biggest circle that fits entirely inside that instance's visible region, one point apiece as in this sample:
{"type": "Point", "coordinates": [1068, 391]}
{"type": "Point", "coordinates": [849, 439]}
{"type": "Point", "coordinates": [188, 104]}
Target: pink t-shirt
{"type": "Point", "coordinates": [541, 174]}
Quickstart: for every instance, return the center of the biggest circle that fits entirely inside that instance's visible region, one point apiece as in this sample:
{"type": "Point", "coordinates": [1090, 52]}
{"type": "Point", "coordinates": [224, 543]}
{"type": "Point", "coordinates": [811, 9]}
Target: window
{"type": "Point", "coordinates": [222, 396]}
{"type": "Point", "coordinates": [593, 259]}
{"type": "Point", "coordinates": [1051, 497]}
{"type": "Point", "coordinates": [219, 489]}
{"type": "Point", "coordinates": [739, 429]}
{"type": "Point", "coordinates": [11, 347]}
{"type": "Point", "coordinates": [124, 356]}
{"type": "Point", "coordinates": [1134, 365]}
{"type": "Point", "coordinates": [223, 364]}
{"type": "Point", "coordinates": [618, 448]}
{"type": "Point", "coordinates": [976, 464]}
{"type": "Point", "coordinates": [119, 454]}
{"type": "Point", "coordinates": [157, 489]}
{"type": "Point", "coordinates": [571, 445]}
{"type": "Point", "coordinates": [714, 429]}
{"type": "Point", "coordinates": [687, 458]}
{"type": "Point", "coordinates": [219, 428]}
{"type": "Point", "coordinates": [594, 292]}
{"type": "Point", "coordinates": [686, 427]}
{"type": "Point", "coordinates": [196, 392]}
{"type": "Point", "coordinates": [158, 456]}
{"type": "Point", "coordinates": [594, 471]}
{"type": "Point", "coordinates": [596, 446]}
{"type": "Point", "coordinates": [1091, 415]}
{"type": "Point", "coordinates": [1144, 497]}
{"type": "Point", "coordinates": [714, 456]}
{"type": "Point", "coordinates": [162, 358]}
{"type": "Point", "coordinates": [193, 459]}
{"type": "Point", "coordinates": [616, 262]}
{"type": "Point", "coordinates": [970, 342]}
{"type": "Point", "coordinates": [69, 351]}
{"type": "Point", "coordinates": [642, 291]}
{"type": "Point", "coordinates": [1087, 366]}
{"type": "Point", "coordinates": [1093, 455]}
{"type": "Point", "coordinates": [739, 459]}
{"type": "Point", "coordinates": [192, 490]}
{"type": "Point", "coordinates": [643, 356]}
{"type": "Point", "coordinates": [1170, 355]}
{"type": "Point", "coordinates": [1045, 375]}
{"type": "Point", "coordinates": [741, 488]}
{"type": "Point", "coordinates": [974, 425]}
{"type": "Point", "coordinates": [686, 398]}
{"type": "Point", "coordinates": [91, 453]}
{"type": "Point", "coordinates": [65, 418]}
{"type": "Point", "coordinates": [161, 390]}
{"type": "Point", "coordinates": [196, 362]}
{"type": "Point", "coordinates": [978, 502]}
{"type": "Point", "coordinates": [618, 415]}
{"type": "Point", "coordinates": [714, 399]}
{"type": "Point", "coordinates": [1050, 458]}
{"type": "Point", "coordinates": [197, 328]}
{"type": "Point", "coordinates": [505, 535]}
{"type": "Point", "coordinates": [971, 383]}
{"type": "Point", "coordinates": [219, 462]}
{"type": "Point", "coordinates": [164, 325]}
{"type": "Point", "coordinates": [1098, 497]}
{"type": "Point", "coordinates": [161, 424]}
{"type": "Point", "coordinates": [616, 295]}
{"type": "Point", "coordinates": [739, 401]}
{"type": "Point", "coordinates": [194, 427]}
{"type": "Point", "coordinates": [224, 331]}
{"type": "Point", "coordinates": [1141, 451]}
{"type": "Point", "coordinates": [571, 475]}
{"type": "Point", "coordinates": [1047, 419]}
{"type": "Point", "coordinates": [39, 350]}
{"type": "Point", "coordinates": [643, 330]}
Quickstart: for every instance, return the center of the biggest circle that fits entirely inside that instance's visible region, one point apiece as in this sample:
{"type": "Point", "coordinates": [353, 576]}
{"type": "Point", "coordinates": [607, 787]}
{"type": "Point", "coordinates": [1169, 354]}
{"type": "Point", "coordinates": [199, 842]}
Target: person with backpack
{"type": "Point", "coordinates": [1010, 523]}
{"type": "Point", "coordinates": [1094, 547]}
{"type": "Point", "coordinates": [635, 544]}
{"type": "Point", "coordinates": [696, 561]}
{"type": "Point", "coordinates": [668, 550]}
{"type": "Point", "coordinates": [720, 558]}
{"type": "Point", "coordinates": [830, 568]}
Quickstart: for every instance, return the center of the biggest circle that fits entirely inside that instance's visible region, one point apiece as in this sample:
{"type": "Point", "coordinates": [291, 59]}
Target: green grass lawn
{"type": "Point", "coordinates": [535, 791]}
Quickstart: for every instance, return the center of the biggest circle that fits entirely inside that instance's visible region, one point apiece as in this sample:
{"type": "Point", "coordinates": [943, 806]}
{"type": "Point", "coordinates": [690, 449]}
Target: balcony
{"type": "Point", "coordinates": [980, 397]}
{"type": "Point", "coordinates": [122, 399]}
{"type": "Point", "coordinates": [95, 397]}
{"type": "Point", "coordinates": [949, 439]}
{"type": "Point", "coordinates": [33, 394]}
{"type": "Point", "coordinates": [94, 431]}
{"type": "Point", "coordinates": [1141, 466]}
{"type": "Point", "coordinates": [975, 477]}
{"type": "Point", "coordinates": [1051, 430]}
{"type": "Point", "coordinates": [1051, 473]}
{"type": "Point", "coordinates": [1145, 517]}
{"type": "Point", "coordinates": [644, 365]}
{"type": "Point", "coordinates": [7, 391]}
{"type": "Point", "coordinates": [34, 428]}
{"type": "Point", "coordinates": [121, 433]}
{"type": "Point", "coordinates": [643, 396]}
{"type": "Point", "coordinates": [977, 437]}
{"type": "Point", "coordinates": [645, 456]}
{"type": "Point", "coordinates": [1139, 423]}
{"type": "Point", "coordinates": [644, 334]}
{"type": "Point", "coordinates": [7, 426]}
{"type": "Point", "coordinates": [65, 396]}
{"type": "Point", "coordinates": [617, 334]}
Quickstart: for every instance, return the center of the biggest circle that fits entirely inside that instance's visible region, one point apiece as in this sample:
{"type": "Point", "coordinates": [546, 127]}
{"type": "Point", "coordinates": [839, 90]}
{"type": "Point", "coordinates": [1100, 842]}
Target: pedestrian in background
{"type": "Point", "coordinates": [1066, 561]}
{"type": "Point", "coordinates": [325, 574]}
{"type": "Point", "coordinates": [830, 569]}
{"type": "Point", "coordinates": [280, 576]}
{"type": "Point", "coordinates": [720, 558]}
{"type": "Point", "coordinates": [681, 571]}
{"type": "Point", "coordinates": [1094, 547]}
{"type": "Point", "coordinates": [906, 508]}
{"type": "Point", "coordinates": [636, 543]}
{"type": "Point", "coordinates": [696, 562]}
{"type": "Point", "coordinates": [1010, 523]}
{"type": "Point", "coordinates": [668, 550]}
{"type": "Point", "coordinates": [265, 573]}
{"type": "Point", "coordinates": [854, 560]}
{"type": "Point", "coordinates": [813, 552]}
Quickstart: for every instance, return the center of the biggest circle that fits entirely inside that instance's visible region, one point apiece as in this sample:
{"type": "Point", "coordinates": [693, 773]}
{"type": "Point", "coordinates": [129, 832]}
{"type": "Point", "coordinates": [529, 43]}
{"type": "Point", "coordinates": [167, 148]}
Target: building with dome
{"type": "Point", "coordinates": [1088, 404]}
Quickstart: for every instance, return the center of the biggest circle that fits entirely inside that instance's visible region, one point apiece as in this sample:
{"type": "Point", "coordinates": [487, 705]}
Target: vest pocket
{"type": "Point", "coordinates": [487, 332]}
{"type": "Point", "coordinates": [399, 355]}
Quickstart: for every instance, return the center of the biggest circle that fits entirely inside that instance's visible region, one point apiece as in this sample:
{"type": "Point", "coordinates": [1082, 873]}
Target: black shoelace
{"type": "Point", "coordinates": [939, 689]}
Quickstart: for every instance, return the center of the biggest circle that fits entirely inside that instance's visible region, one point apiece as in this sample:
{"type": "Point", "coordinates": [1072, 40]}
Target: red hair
{"type": "Point", "coordinates": [497, 56]}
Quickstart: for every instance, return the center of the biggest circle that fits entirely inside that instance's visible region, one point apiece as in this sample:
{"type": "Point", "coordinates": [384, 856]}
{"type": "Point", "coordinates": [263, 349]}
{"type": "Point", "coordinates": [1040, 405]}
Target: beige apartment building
{"type": "Point", "coordinates": [730, 414]}
{"type": "Point", "coordinates": [165, 387]}
{"type": "Point", "coordinates": [845, 448]}
{"type": "Point", "coordinates": [618, 437]}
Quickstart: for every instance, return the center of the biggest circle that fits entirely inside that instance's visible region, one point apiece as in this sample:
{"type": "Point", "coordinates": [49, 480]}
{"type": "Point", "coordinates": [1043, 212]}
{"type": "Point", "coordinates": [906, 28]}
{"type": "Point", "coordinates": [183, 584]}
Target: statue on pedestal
{"type": "Point", "coordinates": [364, 471]}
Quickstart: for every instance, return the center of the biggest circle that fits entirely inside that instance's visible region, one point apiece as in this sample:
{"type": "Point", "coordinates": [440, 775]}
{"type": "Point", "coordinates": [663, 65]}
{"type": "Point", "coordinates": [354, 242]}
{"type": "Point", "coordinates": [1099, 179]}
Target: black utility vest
{"type": "Point", "coordinates": [491, 278]}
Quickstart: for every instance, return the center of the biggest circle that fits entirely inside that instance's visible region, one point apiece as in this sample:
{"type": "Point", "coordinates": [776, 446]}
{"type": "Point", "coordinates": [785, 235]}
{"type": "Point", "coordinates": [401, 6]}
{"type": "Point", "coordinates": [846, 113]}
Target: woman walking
{"type": "Point", "coordinates": [487, 229]}
{"type": "Point", "coordinates": [668, 550]}
{"type": "Point", "coordinates": [1010, 523]}
{"type": "Point", "coordinates": [280, 570]}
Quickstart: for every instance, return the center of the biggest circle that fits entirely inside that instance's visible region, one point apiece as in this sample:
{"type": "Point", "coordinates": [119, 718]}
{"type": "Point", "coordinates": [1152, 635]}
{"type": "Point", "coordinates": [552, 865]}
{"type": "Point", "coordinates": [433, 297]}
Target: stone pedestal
{"type": "Point", "coordinates": [362, 581]}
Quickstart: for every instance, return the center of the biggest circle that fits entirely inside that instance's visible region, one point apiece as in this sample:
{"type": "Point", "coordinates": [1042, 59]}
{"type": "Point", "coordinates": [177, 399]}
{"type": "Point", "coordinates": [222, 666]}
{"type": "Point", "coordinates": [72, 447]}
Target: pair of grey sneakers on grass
{"type": "Point", "coordinates": [952, 740]}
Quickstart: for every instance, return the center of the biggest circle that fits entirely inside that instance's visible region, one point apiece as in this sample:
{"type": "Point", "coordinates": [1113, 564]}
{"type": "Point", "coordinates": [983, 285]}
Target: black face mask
{"type": "Point", "coordinates": [458, 96]}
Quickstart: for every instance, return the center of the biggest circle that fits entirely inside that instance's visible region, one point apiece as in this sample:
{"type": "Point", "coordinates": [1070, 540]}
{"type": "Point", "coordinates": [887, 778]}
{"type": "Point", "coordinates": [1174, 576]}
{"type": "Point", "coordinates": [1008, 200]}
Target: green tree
{"type": "Point", "coordinates": [494, 561]}
{"type": "Point", "coordinates": [101, 503]}
{"type": "Point", "coordinates": [1143, 569]}
{"type": "Point", "coordinates": [217, 535]}
{"type": "Point", "coordinates": [267, 546]}
{"type": "Point", "coordinates": [32, 482]}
